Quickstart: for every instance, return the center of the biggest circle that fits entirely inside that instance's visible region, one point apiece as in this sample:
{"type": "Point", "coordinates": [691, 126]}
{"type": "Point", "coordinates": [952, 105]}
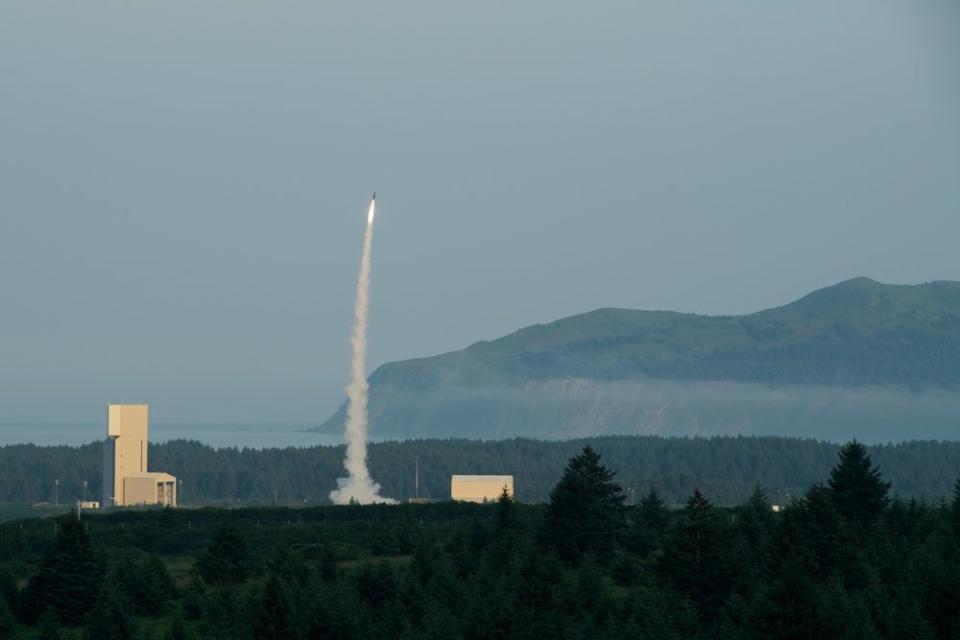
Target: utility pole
{"type": "Point", "coordinates": [56, 492]}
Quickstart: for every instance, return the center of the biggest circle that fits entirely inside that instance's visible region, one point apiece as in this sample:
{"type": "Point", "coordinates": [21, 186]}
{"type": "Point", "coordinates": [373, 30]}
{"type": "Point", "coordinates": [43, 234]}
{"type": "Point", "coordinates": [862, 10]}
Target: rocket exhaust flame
{"type": "Point", "coordinates": [359, 486]}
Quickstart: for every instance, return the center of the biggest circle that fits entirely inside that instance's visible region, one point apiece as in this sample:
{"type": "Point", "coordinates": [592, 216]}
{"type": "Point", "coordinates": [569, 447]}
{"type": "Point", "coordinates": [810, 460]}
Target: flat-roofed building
{"type": "Point", "coordinates": [125, 458]}
{"type": "Point", "coordinates": [150, 488]}
{"type": "Point", "coordinates": [479, 488]}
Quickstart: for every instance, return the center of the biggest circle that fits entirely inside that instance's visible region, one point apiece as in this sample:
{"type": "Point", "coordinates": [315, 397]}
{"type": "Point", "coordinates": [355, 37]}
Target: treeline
{"type": "Point", "coordinates": [726, 468]}
{"type": "Point", "coordinates": [844, 561]}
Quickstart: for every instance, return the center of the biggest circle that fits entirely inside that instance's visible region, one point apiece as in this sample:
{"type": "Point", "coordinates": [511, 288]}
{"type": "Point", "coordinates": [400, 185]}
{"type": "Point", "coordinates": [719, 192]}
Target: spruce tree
{"type": "Point", "coordinates": [696, 556]}
{"type": "Point", "coordinates": [506, 517]}
{"type": "Point", "coordinates": [8, 624]}
{"type": "Point", "coordinates": [127, 579]}
{"type": "Point", "coordinates": [956, 508]}
{"type": "Point", "coordinates": [757, 520]}
{"type": "Point", "coordinates": [159, 584]}
{"type": "Point", "coordinates": [813, 531]}
{"type": "Point", "coordinates": [272, 613]}
{"type": "Point", "coordinates": [376, 584]}
{"type": "Point", "coordinates": [586, 513]}
{"type": "Point", "coordinates": [328, 562]}
{"type": "Point", "coordinates": [177, 630]}
{"type": "Point", "coordinates": [941, 602]}
{"type": "Point", "coordinates": [332, 614]}
{"type": "Point", "coordinates": [8, 588]}
{"type": "Point", "coordinates": [49, 626]}
{"type": "Point", "coordinates": [856, 486]}
{"type": "Point", "coordinates": [658, 613]}
{"type": "Point", "coordinates": [222, 619]}
{"type": "Point", "coordinates": [193, 599]}
{"type": "Point", "coordinates": [754, 532]}
{"type": "Point", "coordinates": [535, 611]}
{"type": "Point", "coordinates": [146, 586]}
{"type": "Point", "coordinates": [110, 619]}
{"type": "Point", "coordinates": [68, 579]}
{"type": "Point", "coordinates": [905, 616]}
{"type": "Point", "coordinates": [225, 560]}
{"type": "Point", "coordinates": [651, 521]}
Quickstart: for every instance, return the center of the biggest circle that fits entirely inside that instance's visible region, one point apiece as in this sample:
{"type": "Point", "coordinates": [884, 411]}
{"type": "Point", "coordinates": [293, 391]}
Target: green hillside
{"type": "Point", "coordinates": [855, 333]}
{"type": "Point", "coordinates": [850, 347]}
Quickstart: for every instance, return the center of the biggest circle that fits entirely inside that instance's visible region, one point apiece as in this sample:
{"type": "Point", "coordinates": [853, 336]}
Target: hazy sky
{"type": "Point", "coordinates": [183, 185]}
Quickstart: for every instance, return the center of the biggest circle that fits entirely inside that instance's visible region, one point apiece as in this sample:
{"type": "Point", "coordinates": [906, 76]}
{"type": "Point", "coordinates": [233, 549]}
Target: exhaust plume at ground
{"type": "Point", "coordinates": [359, 486]}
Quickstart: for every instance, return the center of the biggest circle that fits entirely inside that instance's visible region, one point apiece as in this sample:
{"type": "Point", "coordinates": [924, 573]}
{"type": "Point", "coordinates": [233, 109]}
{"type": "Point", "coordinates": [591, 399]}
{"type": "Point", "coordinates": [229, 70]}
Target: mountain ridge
{"type": "Point", "coordinates": [857, 336]}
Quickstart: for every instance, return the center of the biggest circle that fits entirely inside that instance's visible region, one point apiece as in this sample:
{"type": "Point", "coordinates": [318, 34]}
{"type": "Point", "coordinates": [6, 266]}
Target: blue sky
{"type": "Point", "coordinates": [183, 185]}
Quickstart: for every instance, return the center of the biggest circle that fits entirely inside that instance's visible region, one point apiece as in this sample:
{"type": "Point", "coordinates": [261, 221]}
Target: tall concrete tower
{"type": "Point", "coordinates": [125, 451]}
{"type": "Point", "coordinates": [126, 480]}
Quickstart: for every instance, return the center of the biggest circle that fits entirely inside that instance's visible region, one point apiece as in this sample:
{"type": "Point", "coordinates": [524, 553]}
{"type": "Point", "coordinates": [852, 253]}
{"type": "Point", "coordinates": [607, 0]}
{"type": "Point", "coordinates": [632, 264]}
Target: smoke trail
{"type": "Point", "coordinates": [359, 486]}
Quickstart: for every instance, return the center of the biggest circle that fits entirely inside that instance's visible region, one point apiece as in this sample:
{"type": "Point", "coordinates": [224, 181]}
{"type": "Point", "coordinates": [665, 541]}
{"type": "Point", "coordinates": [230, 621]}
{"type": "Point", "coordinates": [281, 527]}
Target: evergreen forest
{"type": "Point", "coordinates": [724, 468]}
{"type": "Point", "coordinates": [844, 559]}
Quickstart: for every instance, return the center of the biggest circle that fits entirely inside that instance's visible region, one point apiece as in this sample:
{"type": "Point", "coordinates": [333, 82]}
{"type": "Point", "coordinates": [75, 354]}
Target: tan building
{"type": "Point", "coordinates": [126, 480]}
{"type": "Point", "coordinates": [150, 488]}
{"type": "Point", "coordinates": [479, 488]}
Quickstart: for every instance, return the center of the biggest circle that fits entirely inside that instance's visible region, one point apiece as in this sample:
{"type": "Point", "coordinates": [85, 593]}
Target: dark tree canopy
{"type": "Point", "coordinates": [272, 613]}
{"type": "Point", "coordinates": [8, 588]}
{"type": "Point", "coordinates": [696, 558]}
{"type": "Point", "coordinates": [756, 521]}
{"type": "Point", "coordinates": [650, 522]}
{"type": "Point", "coordinates": [177, 631]}
{"type": "Point", "coordinates": [110, 619]}
{"type": "Point", "coordinates": [225, 560]}
{"type": "Point", "coordinates": [725, 467]}
{"type": "Point", "coordinates": [49, 626]}
{"type": "Point", "coordinates": [586, 566]}
{"type": "Point", "coordinates": [857, 487]}
{"type": "Point", "coordinates": [69, 578]}
{"type": "Point", "coordinates": [506, 521]}
{"type": "Point", "coordinates": [8, 624]}
{"type": "Point", "coordinates": [956, 509]}
{"type": "Point", "coordinates": [586, 510]}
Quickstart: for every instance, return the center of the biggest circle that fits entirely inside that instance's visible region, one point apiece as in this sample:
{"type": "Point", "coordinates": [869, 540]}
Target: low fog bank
{"type": "Point", "coordinates": [572, 408]}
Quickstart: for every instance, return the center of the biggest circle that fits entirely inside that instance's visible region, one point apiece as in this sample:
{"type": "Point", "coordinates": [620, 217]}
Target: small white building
{"type": "Point", "coordinates": [479, 488]}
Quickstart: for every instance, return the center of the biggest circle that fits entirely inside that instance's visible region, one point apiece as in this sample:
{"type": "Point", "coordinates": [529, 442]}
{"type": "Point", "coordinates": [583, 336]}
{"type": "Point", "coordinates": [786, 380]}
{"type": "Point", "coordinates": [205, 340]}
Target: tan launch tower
{"type": "Point", "coordinates": [126, 480]}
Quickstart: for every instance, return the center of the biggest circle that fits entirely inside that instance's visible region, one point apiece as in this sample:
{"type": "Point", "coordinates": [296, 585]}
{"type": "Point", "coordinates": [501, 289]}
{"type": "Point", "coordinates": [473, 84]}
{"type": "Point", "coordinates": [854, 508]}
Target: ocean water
{"type": "Point", "coordinates": [218, 436]}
